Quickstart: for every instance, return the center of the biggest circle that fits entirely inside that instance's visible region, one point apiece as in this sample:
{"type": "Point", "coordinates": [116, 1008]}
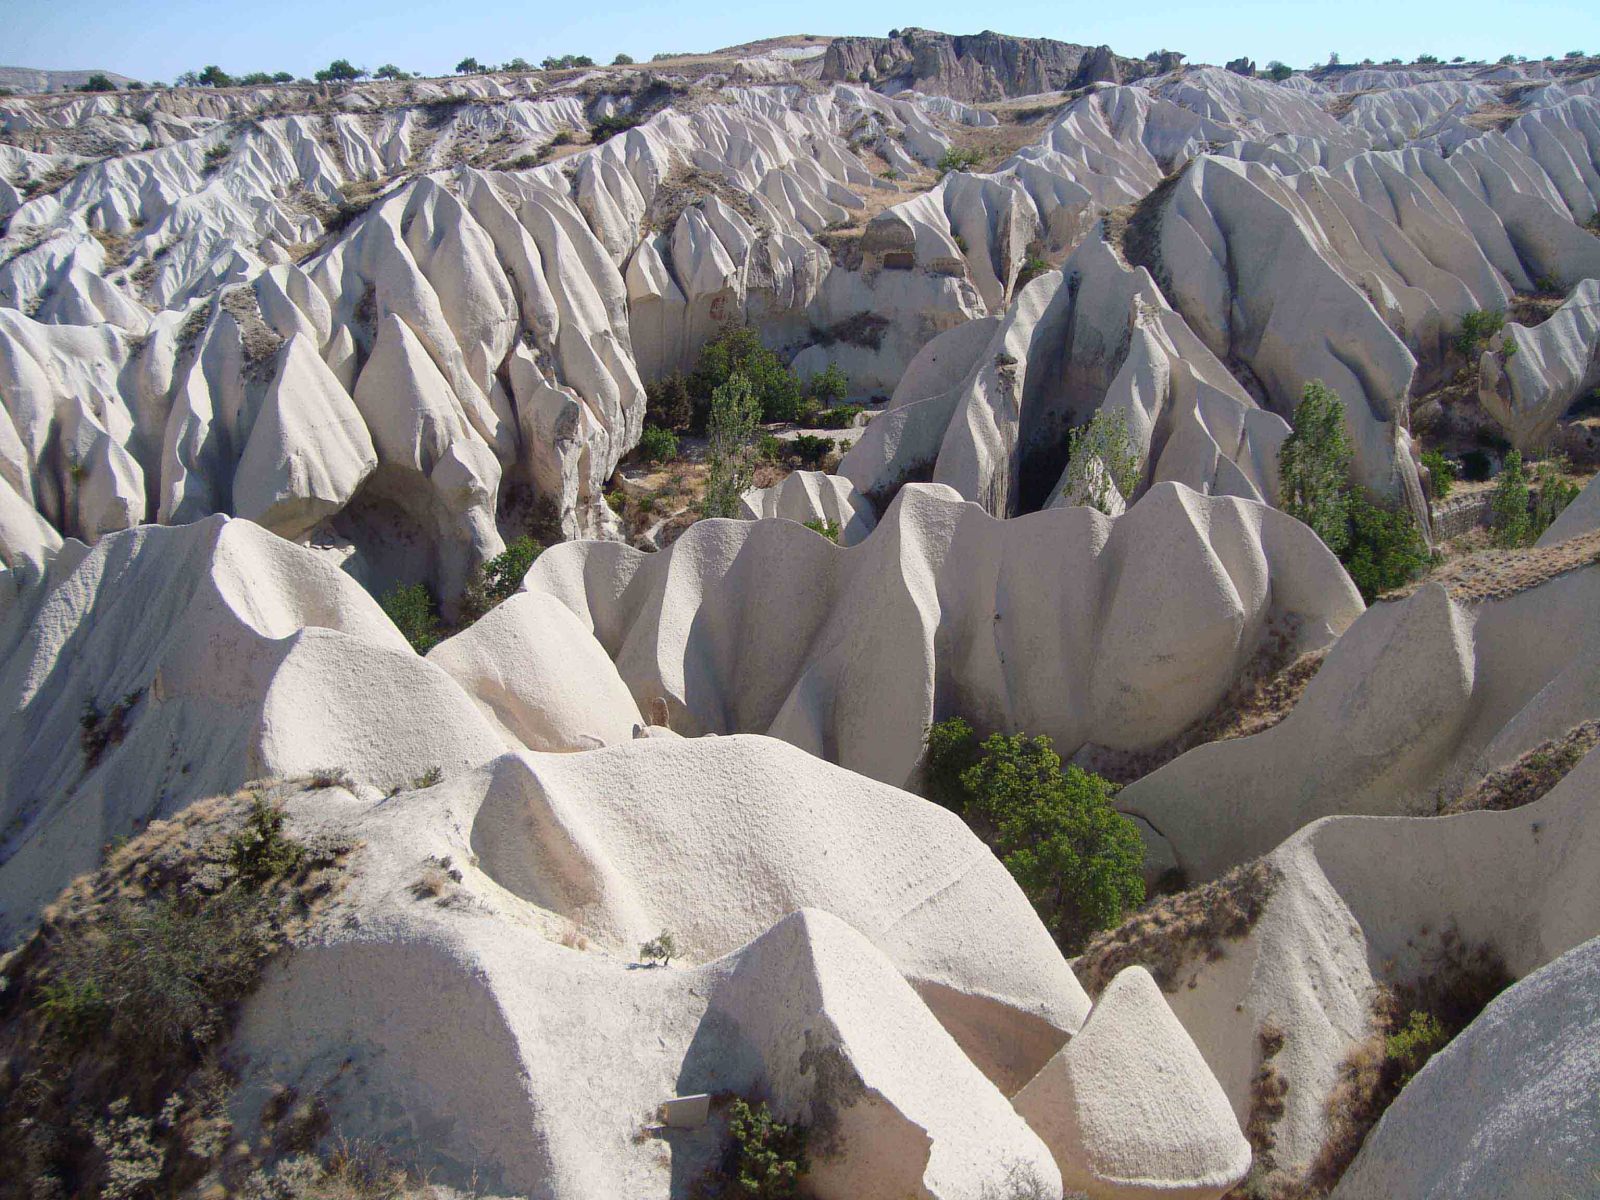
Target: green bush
{"type": "Point", "coordinates": [1508, 506]}
{"type": "Point", "coordinates": [1555, 492]}
{"type": "Point", "coordinates": [738, 349]}
{"type": "Point", "coordinates": [607, 127]}
{"type": "Point", "coordinates": [1384, 549]}
{"type": "Point", "coordinates": [955, 159]}
{"type": "Point", "coordinates": [1477, 328]}
{"type": "Point", "coordinates": [414, 615]}
{"type": "Point", "coordinates": [952, 747]}
{"type": "Point", "coordinates": [1278, 72]}
{"type": "Point", "coordinates": [1101, 457]}
{"type": "Point", "coordinates": [840, 417]}
{"type": "Point", "coordinates": [657, 444]}
{"type": "Point", "coordinates": [730, 456]}
{"type": "Point", "coordinates": [1314, 467]}
{"type": "Point", "coordinates": [811, 450]}
{"type": "Point", "coordinates": [622, 60]}
{"type": "Point", "coordinates": [828, 529]}
{"type": "Point", "coordinates": [829, 386]}
{"type": "Point", "coordinates": [1034, 267]}
{"type": "Point", "coordinates": [662, 948]}
{"type": "Point", "coordinates": [1075, 857]}
{"type": "Point", "coordinates": [261, 851]}
{"type": "Point", "coordinates": [767, 1158]}
{"type": "Point", "coordinates": [1441, 471]}
{"type": "Point", "coordinates": [769, 448]}
{"type": "Point", "coordinates": [498, 579]}
{"type": "Point", "coordinates": [668, 404]}
{"type": "Point", "coordinates": [1409, 1049]}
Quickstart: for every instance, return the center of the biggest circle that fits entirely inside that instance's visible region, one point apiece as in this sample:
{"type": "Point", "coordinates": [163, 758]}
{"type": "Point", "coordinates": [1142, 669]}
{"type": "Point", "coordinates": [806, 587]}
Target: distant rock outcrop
{"type": "Point", "coordinates": [980, 66]}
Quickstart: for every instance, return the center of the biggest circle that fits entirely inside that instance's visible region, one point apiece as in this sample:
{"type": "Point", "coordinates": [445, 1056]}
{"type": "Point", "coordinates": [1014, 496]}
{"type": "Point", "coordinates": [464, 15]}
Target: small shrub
{"type": "Point", "coordinates": [1441, 473]}
{"type": "Point", "coordinates": [842, 416]}
{"type": "Point", "coordinates": [498, 579]}
{"type": "Point", "coordinates": [1554, 492]}
{"type": "Point", "coordinates": [330, 777]}
{"type": "Point", "coordinates": [1477, 328]}
{"type": "Point", "coordinates": [1417, 1041]}
{"type": "Point", "coordinates": [1385, 549]}
{"type": "Point", "coordinates": [261, 851]}
{"type": "Point", "coordinates": [657, 444]}
{"type": "Point", "coordinates": [607, 127]}
{"type": "Point", "coordinates": [955, 159]}
{"type": "Point", "coordinates": [668, 404]}
{"type": "Point", "coordinates": [811, 450]}
{"type": "Point", "coordinates": [428, 778]}
{"type": "Point", "coordinates": [828, 529]}
{"type": "Point", "coordinates": [769, 448]}
{"type": "Point", "coordinates": [1102, 457]}
{"type": "Point", "coordinates": [1508, 505]}
{"type": "Point", "coordinates": [662, 948]}
{"type": "Point", "coordinates": [1034, 267]}
{"type": "Point", "coordinates": [215, 157]}
{"type": "Point", "coordinates": [622, 60]}
{"type": "Point", "coordinates": [563, 137]}
{"type": "Point", "coordinates": [99, 731]}
{"type": "Point", "coordinates": [767, 1158]}
{"type": "Point", "coordinates": [414, 615]}
{"type": "Point", "coordinates": [1278, 72]}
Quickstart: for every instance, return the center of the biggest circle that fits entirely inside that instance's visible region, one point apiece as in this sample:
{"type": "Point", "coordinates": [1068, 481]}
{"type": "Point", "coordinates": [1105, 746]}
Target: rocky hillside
{"type": "Point", "coordinates": [851, 618]}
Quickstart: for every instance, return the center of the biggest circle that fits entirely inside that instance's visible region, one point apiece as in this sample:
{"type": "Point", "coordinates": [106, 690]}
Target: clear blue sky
{"type": "Point", "coordinates": [157, 39]}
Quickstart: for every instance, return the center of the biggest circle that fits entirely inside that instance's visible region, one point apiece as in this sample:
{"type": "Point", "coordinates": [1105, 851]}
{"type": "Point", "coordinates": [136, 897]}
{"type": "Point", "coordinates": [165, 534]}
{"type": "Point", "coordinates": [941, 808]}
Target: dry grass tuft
{"type": "Point", "coordinates": [1496, 574]}
{"type": "Point", "coordinates": [1173, 933]}
{"type": "Point", "coordinates": [1531, 776]}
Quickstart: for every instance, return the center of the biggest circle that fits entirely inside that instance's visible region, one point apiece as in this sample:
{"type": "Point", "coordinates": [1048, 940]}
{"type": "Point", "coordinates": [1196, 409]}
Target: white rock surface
{"type": "Point", "coordinates": [1529, 377]}
{"type": "Point", "coordinates": [744, 626]}
{"type": "Point", "coordinates": [1509, 1108]}
{"type": "Point", "coordinates": [813, 496]}
{"type": "Point", "coordinates": [1129, 1107]}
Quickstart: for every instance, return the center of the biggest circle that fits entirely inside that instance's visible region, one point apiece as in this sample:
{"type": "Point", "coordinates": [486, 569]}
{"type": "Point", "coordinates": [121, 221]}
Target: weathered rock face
{"type": "Point", "coordinates": [1528, 378]}
{"type": "Point", "coordinates": [981, 66]}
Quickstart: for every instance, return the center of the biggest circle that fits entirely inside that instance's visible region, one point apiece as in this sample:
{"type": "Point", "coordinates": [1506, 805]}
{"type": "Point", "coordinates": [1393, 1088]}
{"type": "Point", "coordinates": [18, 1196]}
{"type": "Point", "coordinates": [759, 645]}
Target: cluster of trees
{"type": "Point", "coordinates": [471, 66]}
{"type": "Point", "coordinates": [340, 70]}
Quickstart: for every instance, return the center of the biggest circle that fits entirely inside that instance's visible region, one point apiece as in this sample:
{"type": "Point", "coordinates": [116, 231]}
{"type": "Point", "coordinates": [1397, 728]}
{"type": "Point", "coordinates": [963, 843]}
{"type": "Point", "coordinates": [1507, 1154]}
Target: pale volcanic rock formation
{"type": "Point", "coordinates": [169, 664]}
{"type": "Point", "coordinates": [813, 496]}
{"type": "Point", "coordinates": [1129, 1107]}
{"type": "Point", "coordinates": [1416, 700]}
{"type": "Point", "coordinates": [1580, 517]}
{"type": "Point", "coordinates": [850, 653]}
{"type": "Point", "coordinates": [539, 676]}
{"type": "Point", "coordinates": [1338, 919]}
{"type": "Point", "coordinates": [573, 1049]}
{"type": "Point", "coordinates": [990, 415]}
{"type": "Point", "coordinates": [1508, 1108]}
{"type": "Point", "coordinates": [1529, 377]}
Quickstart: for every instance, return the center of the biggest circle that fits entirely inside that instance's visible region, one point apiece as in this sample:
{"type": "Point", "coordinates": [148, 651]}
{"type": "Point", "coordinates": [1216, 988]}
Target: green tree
{"type": "Point", "coordinates": [469, 66]}
{"type": "Point", "coordinates": [1101, 458]}
{"type": "Point", "coordinates": [340, 70]}
{"type": "Point", "coordinates": [829, 385]}
{"type": "Point", "coordinates": [1314, 467]}
{"type": "Point", "coordinates": [97, 83]}
{"type": "Point", "coordinates": [1385, 548]}
{"type": "Point", "coordinates": [390, 71]}
{"type": "Point", "coordinates": [414, 615]}
{"type": "Point", "coordinates": [1075, 857]}
{"type": "Point", "coordinates": [622, 60]}
{"type": "Point", "coordinates": [1278, 72]}
{"type": "Point", "coordinates": [730, 456]}
{"type": "Point", "coordinates": [738, 350]}
{"type": "Point", "coordinates": [498, 579]}
{"type": "Point", "coordinates": [952, 747]}
{"type": "Point", "coordinates": [282, 77]}
{"type": "Point", "coordinates": [1508, 505]}
{"type": "Point", "coordinates": [518, 64]}
{"type": "Point", "coordinates": [214, 77]}
{"type": "Point", "coordinates": [1441, 472]}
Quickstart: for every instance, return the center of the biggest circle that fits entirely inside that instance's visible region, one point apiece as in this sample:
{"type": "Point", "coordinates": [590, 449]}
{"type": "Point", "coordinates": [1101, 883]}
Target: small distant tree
{"type": "Point", "coordinates": [738, 349]}
{"type": "Point", "coordinates": [340, 70]}
{"type": "Point", "coordinates": [1384, 550]}
{"type": "Point", "coordinates": [1427, 60]}
{"type": "Point", "coordinates": [1460, 58]}
{"type": "Point", "coordinates": [622, 60]}
{"type": "Point", "coordinates": [1314, 466]}
{"type": "Point", "coordinates": [498, 579]}
{"type": "Point", "coordinates": [1333, 59]}
{"type": "Point", "coordinates": [187, 80]}
{"type": "Point", "coordinates": [829, 385]}
{"type": "Point", "coordinates": [214, 77]}
{"type": "Point", "coordinates": [390, 71]}
{"type": "Point", "coordinates": [582, 60]}
{"type": "Point", "coordinates": [1278, 72]}
{"type": "Point", "coordinates": [254, 79]}
{"type": "Point", "coordinates": [1554, 492]}
{"type": "Point", "coordinates": [469, 66]}
{"type": "Point", "coordinates": [668, 404]}
{"type": "Point", "coordinates": [97, 83]}
{"type": "Point", "coordinates": [414, 615]}
{"type": "Point", "coordinates": [1508, 506]}
{"type": "Point", "coordinates": [1477, 327]}
{"type": "Point", "coordinates": [662, 948]}
{"type": "Point", "coordinates": [1576, 54]}
{"type": "Point", "coordinates": [1101, 457]}
{"type": "Point", "coordinates": [730, 456]}
{"type": "Point", "coordinates": [1441, 472]}
{"type": "Point", "coordinates": [282, 77]}
{"type": "Point", "coordinates": [518, 64]}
